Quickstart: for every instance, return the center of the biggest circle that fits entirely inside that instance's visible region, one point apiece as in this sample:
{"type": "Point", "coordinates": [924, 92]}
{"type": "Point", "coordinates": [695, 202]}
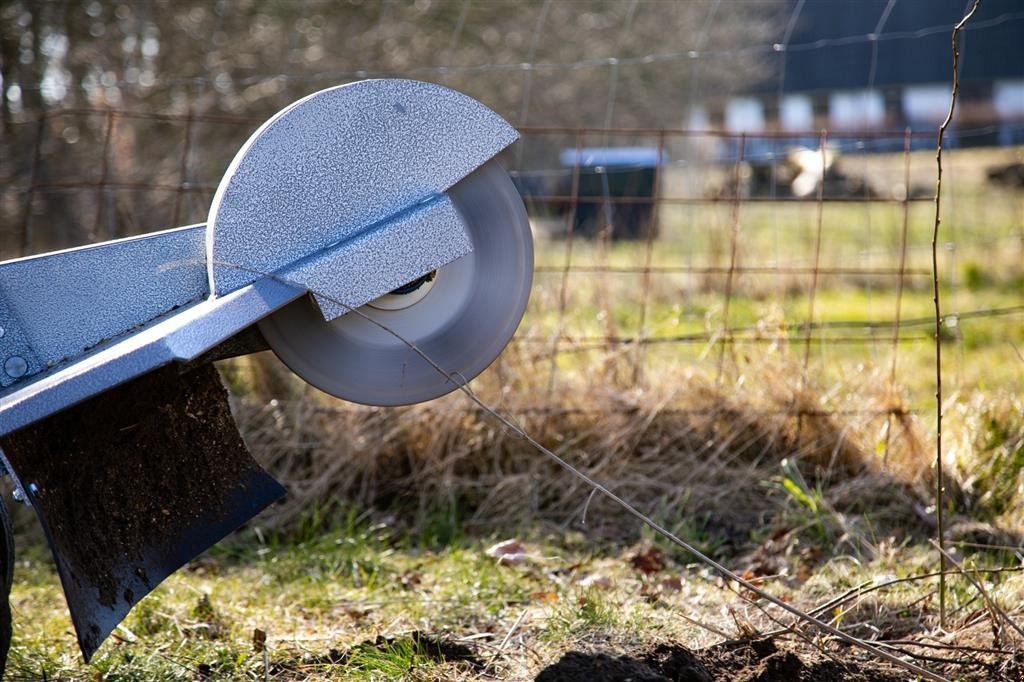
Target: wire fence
{"type": "Point", "coordinates": [697, 53]}
{"type": "Point", "coordinates": [691, 260]}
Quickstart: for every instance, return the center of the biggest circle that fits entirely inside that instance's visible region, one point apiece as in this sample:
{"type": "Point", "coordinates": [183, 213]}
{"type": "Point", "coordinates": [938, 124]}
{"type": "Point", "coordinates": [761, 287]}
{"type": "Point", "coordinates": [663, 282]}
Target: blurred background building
{"type": "Point", "coordinates": [874, 65]}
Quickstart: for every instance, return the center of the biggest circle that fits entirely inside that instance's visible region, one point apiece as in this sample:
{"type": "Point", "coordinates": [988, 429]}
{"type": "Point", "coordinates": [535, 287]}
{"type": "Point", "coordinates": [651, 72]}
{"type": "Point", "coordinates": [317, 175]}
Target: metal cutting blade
{"type": "Point", "coordinates": [461, 316]}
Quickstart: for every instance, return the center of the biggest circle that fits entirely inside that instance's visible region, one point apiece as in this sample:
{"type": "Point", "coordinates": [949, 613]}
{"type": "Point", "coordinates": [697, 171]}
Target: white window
{"type": "Point", "coordinates": [926, 103]}
{"type": "Point", "coordinates": [855, 109]}
{"type": "Point", "coordinates": [1008, 98]}
{"type": "Point", "coordinates": [796, 112]}
{"type": "Point", "coordinates": [744, 115]}
{"type": "Point", "coordinates": [698, 118]}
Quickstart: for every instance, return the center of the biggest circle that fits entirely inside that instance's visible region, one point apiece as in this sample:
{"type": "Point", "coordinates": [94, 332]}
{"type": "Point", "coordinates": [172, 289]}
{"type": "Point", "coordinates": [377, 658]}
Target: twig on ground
{"type": "Point", "coordinates": [705, 626]}
{"type": "Point", "coordinates": [931, 659]}
{"type": "Point", "coordinates": [947, 647]}
{"type": "Point", "coordinates": [506, 638]}
{"type": "Point", "coordinates": [992, 605]}
{"type": "Point", "coordinates": [871, 586]}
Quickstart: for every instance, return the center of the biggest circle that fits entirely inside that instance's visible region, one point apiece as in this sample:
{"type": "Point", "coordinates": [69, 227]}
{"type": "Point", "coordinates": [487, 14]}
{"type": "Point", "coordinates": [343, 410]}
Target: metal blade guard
{"type": "Point", "coordinates": [113, 424]}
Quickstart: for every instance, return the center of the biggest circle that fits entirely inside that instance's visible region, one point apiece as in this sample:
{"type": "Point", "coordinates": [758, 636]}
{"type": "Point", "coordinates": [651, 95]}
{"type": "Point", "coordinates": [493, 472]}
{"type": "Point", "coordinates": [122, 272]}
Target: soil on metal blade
{"type": "Point", "coordinates": [753, 660]}
{"type": "Point", "coordinates": [133, 480]}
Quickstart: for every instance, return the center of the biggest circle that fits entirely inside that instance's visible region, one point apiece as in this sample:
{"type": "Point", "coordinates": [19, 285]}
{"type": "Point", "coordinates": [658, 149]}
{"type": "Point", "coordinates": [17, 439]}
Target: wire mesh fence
{"type": "Point", "coordinates": [713, 250]}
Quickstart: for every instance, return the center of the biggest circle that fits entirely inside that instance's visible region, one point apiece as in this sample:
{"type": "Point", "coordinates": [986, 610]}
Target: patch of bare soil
{"type": "Point", "coordinates": [754, 660]}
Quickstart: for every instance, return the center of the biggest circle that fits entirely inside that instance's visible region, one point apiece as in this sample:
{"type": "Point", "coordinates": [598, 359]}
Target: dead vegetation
{"type": "Point", "coordinates": [789, 488]}
{"type": "Point", "coordinates": [745, 473]}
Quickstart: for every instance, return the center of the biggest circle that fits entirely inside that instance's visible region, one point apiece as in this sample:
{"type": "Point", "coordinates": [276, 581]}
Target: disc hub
{"type": "Point", "coordinates": [407, 294]}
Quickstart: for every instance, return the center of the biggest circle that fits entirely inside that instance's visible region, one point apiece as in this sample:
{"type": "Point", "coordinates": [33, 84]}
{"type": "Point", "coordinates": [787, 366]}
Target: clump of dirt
{"type": "Point", "coordinates": [753, 660]}
{"type": "Point", "coordinates": [596, 667]}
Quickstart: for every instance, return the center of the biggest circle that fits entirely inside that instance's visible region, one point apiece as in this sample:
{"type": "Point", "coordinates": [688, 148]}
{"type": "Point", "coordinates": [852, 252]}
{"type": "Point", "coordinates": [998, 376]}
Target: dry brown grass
{"type": "Point", "coordinates": [707, 459]}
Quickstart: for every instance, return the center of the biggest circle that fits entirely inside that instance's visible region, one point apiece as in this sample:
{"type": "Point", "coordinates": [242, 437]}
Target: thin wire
{"type": "Point", "coordinates": [873, 68]}
{"type": "Point", "coordinates": [453, 43]}
{"type": "Point", "coordinates": [734, 235]}
{"type": "Point", "coordinates": [461, 383]}
{"type": "Point", "coordinates": [694, 101]}
{"type": "Point", "coordinates": [524, 106]}
{"type": "Point", "coordinates": [613, 84]}
{"type": "Point", "coordinates": [773, 180]}
{"type": "Point", "coordinates": [872, 72]}
{"type": "Point", "coordinates": [102, 191]}
{"type": "Point", "coordinates": [900, 283]}
{"type": "Point", "coordinates": [651, 58]}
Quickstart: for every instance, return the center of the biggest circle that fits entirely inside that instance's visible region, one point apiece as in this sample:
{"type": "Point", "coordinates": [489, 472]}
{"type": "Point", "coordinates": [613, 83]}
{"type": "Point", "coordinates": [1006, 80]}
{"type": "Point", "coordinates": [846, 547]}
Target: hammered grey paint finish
{"type": "Point", "coordinates": [398, 251]}
{"type": "Point", "coordinates": [69, 301]}
{"type": "Point", "coordinates": [14, 344]}
{"type": "Point", "coordinates": [342, 194]}
{"type": "Point", "coordinates": [337, 162]}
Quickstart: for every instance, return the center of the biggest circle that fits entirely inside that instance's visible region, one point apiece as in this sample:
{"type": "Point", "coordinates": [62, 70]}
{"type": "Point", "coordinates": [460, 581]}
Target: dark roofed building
{"type": "Point", "coordinates": [872, 64]}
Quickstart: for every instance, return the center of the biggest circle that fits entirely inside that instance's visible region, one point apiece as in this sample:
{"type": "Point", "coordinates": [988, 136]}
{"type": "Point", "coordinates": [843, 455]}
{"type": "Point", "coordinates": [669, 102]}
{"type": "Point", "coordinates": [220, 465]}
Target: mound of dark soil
{"type": "Point", "coordinates": [757, 660]}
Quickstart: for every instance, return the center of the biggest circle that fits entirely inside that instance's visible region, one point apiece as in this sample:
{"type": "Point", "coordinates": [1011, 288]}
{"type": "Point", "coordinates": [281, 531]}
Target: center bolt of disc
{"type": "Point", "coordinates": [407, 294]}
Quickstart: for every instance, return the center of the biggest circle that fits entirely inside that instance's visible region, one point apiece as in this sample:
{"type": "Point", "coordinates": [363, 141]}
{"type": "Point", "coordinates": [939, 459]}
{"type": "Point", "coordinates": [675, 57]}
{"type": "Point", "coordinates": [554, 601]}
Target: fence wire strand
{"type": "Point", "coordinates": [187, 194]}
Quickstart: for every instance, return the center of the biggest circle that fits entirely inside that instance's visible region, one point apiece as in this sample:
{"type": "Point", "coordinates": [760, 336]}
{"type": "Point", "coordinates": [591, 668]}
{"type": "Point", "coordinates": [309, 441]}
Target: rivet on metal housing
{"type": "Point", "coordinates": [15, 366]}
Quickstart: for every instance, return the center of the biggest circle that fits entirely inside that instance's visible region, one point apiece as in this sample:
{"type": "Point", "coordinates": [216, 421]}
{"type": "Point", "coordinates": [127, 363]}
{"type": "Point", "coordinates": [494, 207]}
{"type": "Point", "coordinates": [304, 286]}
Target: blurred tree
{"type": "Point", "coordinates": [539, 62]}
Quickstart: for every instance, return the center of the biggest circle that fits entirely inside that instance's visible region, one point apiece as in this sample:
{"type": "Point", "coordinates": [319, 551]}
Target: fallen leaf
{"type": "Point", "coordinates": [411, 579]}
{"type": "Point", "coordinates": [356, 614]}
{"type": "Point", "coordinates": [673, 584]}
{"type": "Point", "coordinates": [547, 597]}
{"type": "Point", "coordinates": [511, 552]}
{"type": "Point", "coordinates": [648, 560]}
{"type": "Point", "coordinates": [649, 594]}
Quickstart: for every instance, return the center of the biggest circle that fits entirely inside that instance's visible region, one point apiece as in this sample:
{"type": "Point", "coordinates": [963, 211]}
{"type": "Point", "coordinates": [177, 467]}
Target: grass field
{"type": "Point", "coordinates": [804, 465]}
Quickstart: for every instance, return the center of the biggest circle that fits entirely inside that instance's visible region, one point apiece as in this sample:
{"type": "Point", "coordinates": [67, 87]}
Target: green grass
{"type": "Point", "coordinates": [325, 619]}
{"type": "Point", "coordinates": [981, 267]}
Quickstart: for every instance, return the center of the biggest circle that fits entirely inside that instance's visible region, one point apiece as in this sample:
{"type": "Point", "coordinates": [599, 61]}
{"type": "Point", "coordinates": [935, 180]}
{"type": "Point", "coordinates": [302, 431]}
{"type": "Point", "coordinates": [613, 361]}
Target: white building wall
{"type": "Point", "coordinates": [698, 118]}
{"type": "Point", "coordinates": [1008, 98]}
{"type": "Point", "coordinates": [926, 103]}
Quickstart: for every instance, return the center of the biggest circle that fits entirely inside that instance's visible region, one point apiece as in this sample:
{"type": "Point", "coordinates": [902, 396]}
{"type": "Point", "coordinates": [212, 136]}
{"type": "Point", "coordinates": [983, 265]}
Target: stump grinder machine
{"type": "Point", "coordinates": [357, 232]}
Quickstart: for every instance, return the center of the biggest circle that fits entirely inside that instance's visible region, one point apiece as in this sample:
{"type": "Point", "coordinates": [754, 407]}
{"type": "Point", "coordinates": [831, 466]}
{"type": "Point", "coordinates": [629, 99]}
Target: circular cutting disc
{"type": "Point", "coordinates": [461, 318]}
